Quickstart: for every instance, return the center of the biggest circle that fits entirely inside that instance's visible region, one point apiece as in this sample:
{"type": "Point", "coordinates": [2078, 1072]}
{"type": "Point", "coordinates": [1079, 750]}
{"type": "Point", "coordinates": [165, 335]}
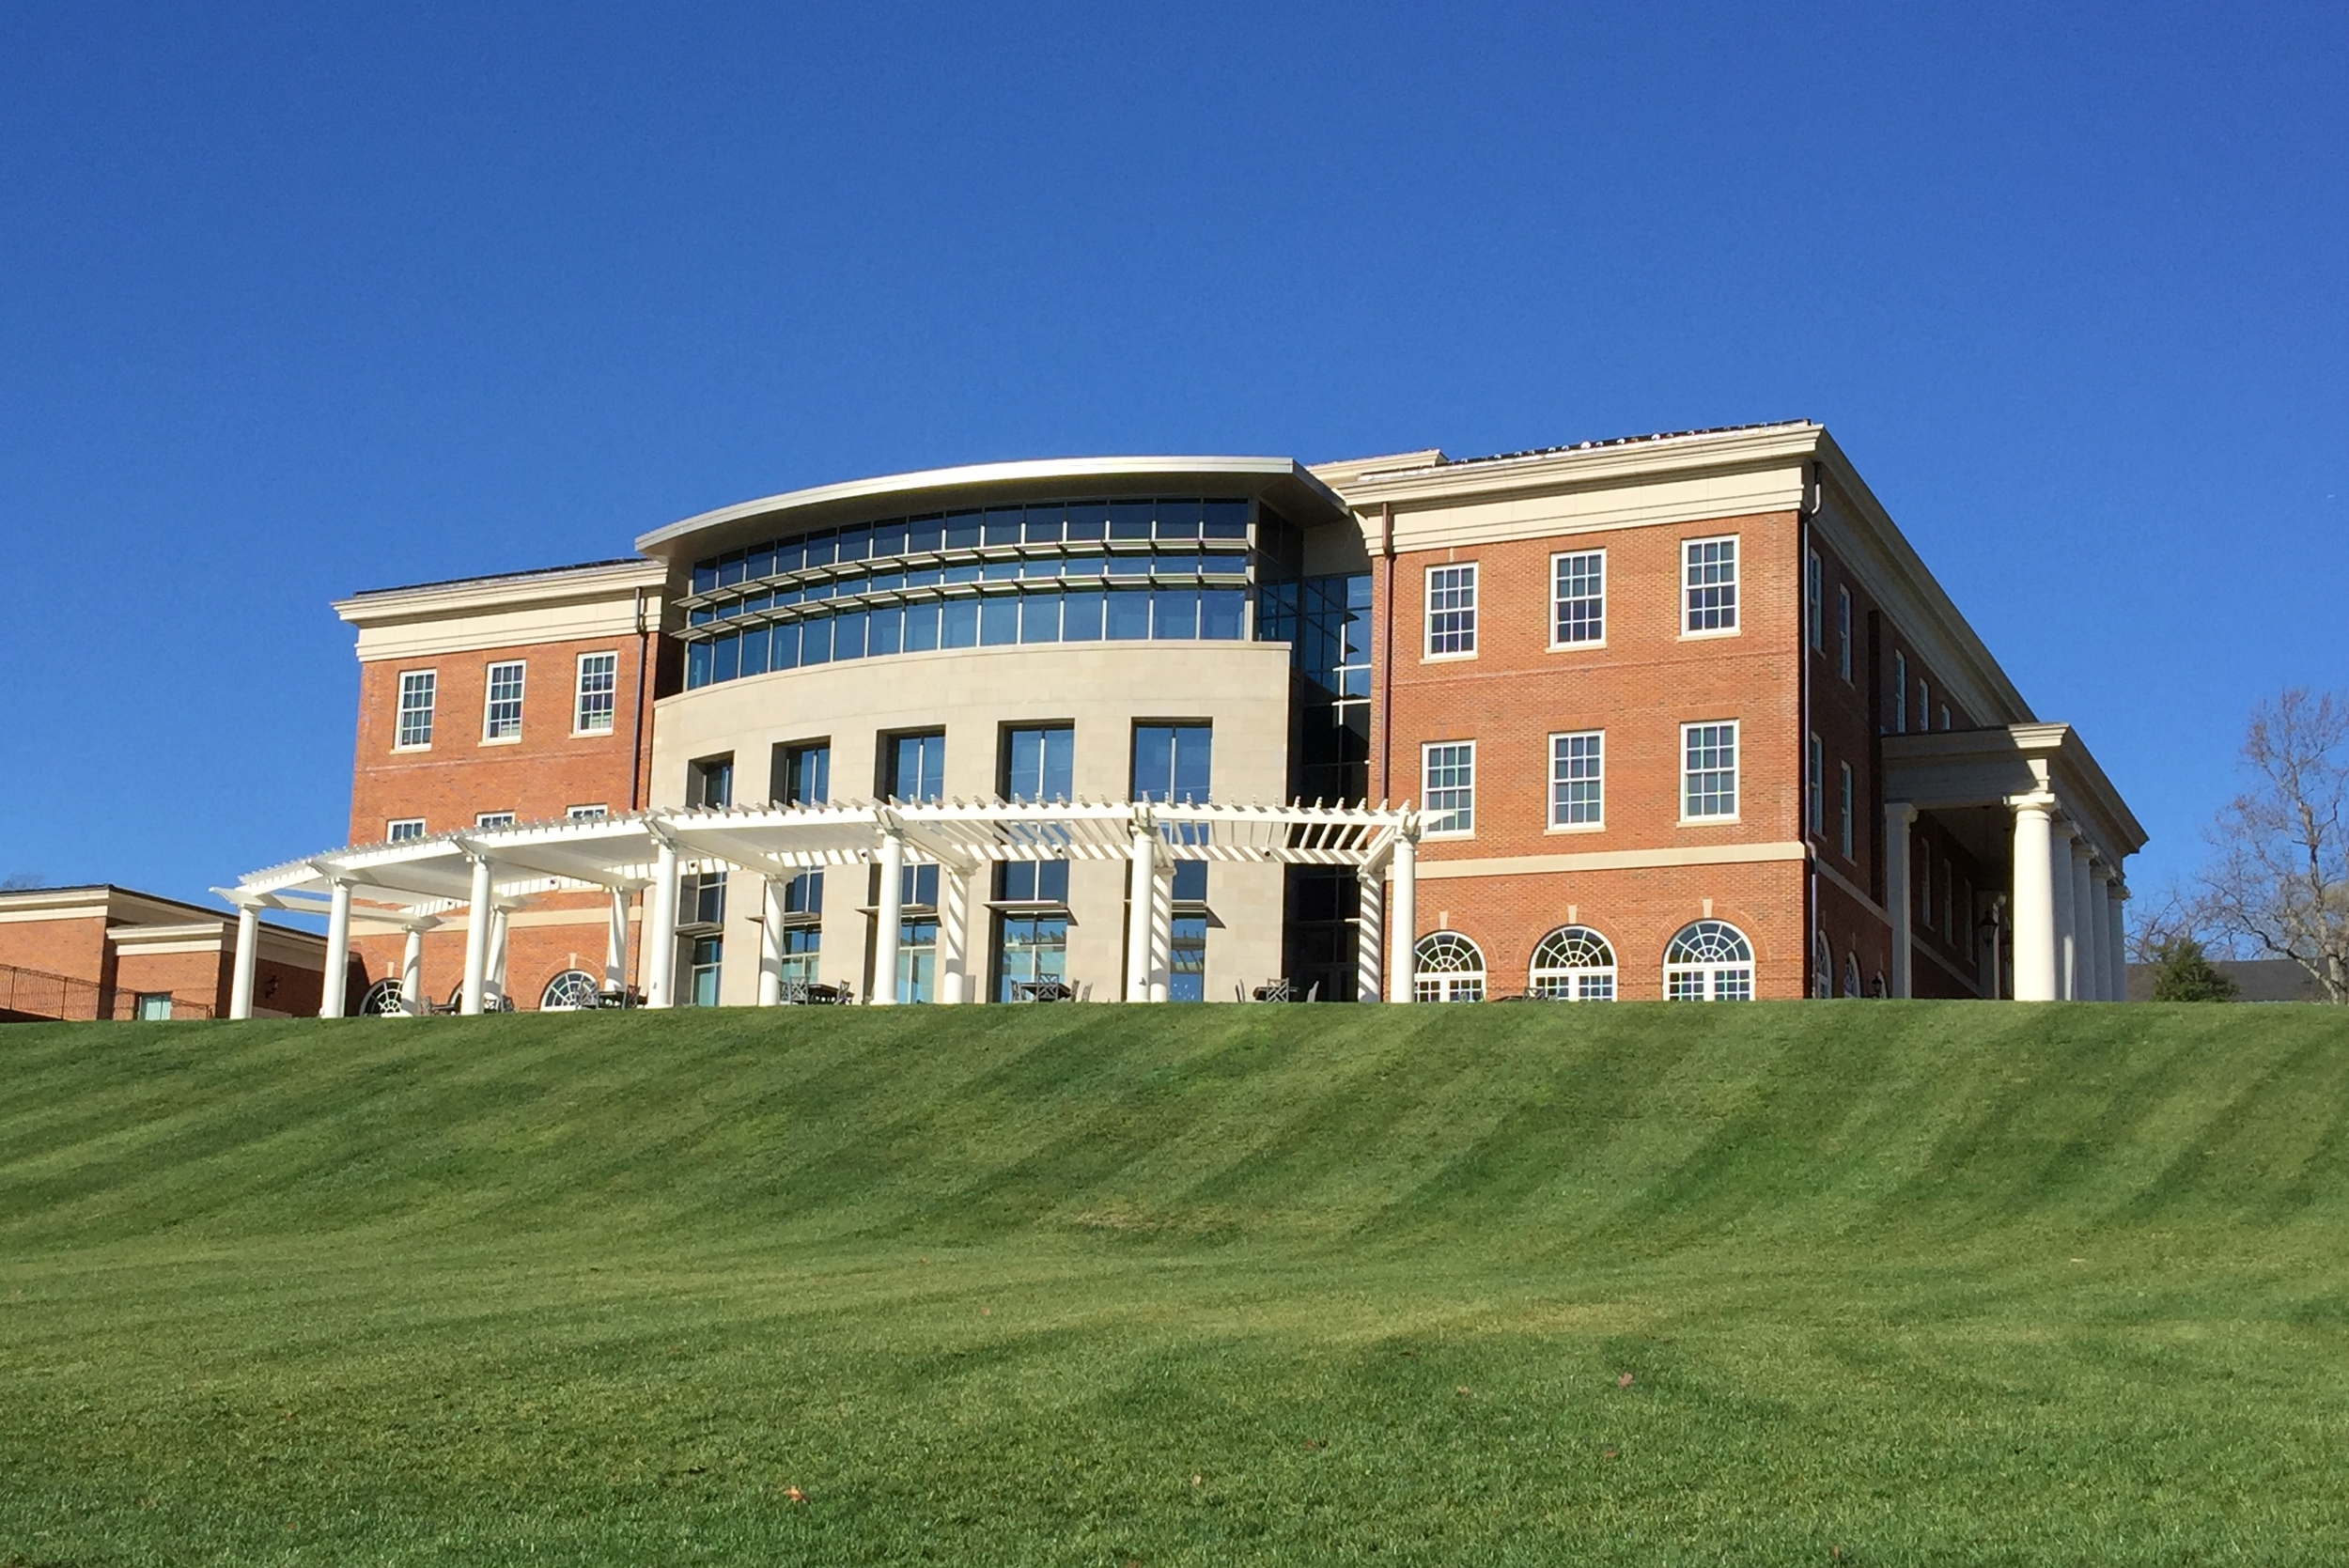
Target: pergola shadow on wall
{"type": "Point", "coordinates": [484, 873]}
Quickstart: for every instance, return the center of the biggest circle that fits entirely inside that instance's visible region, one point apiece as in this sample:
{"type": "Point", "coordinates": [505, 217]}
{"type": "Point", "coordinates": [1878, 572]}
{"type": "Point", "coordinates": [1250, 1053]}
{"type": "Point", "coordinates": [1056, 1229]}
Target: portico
{"type": "Point", "coordinates": [481, 876]}
{"type": "Point", "coordinates": [2032, 796]}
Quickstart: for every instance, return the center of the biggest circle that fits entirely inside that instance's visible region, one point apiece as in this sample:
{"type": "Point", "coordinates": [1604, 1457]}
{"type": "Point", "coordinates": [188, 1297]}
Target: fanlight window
{"type": "Point", "coordinates": [1822, 967]}
{"type": "Point", "coordinates": [382, 1001]}
{"type": "Point", "coordinates": [1573, 964]}
{"type": "Point", "coordinates": [1709, 960]}
{"type": "Point", "coordinates": [1448, 969]}
{"type": "Point", "coordinates": [1851, 976]}
{"type": "Point", "coordinates": [568, 991]}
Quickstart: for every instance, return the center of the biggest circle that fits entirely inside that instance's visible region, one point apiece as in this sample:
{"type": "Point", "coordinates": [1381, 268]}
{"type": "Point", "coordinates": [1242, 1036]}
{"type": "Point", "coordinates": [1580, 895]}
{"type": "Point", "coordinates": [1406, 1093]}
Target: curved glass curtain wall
{"type": "Point", "coordinates": [1059, 571]}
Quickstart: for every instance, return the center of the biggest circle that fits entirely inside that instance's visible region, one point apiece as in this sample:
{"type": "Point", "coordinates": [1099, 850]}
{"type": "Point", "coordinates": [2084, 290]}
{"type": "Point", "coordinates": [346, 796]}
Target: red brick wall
{"type": "Point", "coordinates": [77, 949]}
{"type": "Point", "coordinates": [539, 776]}
{"type": "Point", "coordinates": [534, 955]}
{"type": "Point", "coordinates": [1640, 688]}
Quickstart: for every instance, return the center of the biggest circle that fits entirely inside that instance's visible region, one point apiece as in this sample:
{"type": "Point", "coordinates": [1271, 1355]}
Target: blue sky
{"type": "Point", "coordinates": [295, 302]}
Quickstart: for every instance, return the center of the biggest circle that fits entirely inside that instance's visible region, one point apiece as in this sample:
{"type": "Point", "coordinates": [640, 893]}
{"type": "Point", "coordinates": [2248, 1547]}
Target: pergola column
{"type": "Point", "coordinates": [890, 918]}
{"type": "Point", "coordinates": [2067, 908]}
{"type": "Point", "coordinates": [953, 934]}
{"type": "Point", "coordinates": [1141, 895]}
{"type": "Point", "coordinates": [494, 981]}
{"type": "Point", "coordinates": [247, 961]}
{"type": "Point", "coordinates": [1402, 918]}
{"type": "Point", "coordinates": [1369, 934]}
{"type": "Point", "coordinates": [479, 915]}
{"type": "Point", "coordinates": [658, 960]}
{"type": "Point", "coordinates": [770, 914]}
{"type": "Point", "coordinates": [1161, 931]}
{"type": "Point", "coordinates": [615, 945]}
{"type": "Point", "coordinates": [332, 993]}
{"type": "Point", "coordinates": [412, 972]}
{"type": "Point", "coordinates": [2034, 900]}
{"type": "Point", "coordinates": [1899, 815]}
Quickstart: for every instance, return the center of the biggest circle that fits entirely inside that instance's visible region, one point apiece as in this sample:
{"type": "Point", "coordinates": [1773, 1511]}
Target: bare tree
{"type": "Point", "coordinates": [2280, 884]}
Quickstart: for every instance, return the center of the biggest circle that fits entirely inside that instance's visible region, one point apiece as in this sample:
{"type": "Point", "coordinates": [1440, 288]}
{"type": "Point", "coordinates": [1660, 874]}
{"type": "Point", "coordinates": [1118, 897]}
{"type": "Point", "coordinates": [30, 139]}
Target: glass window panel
{"type": "Point", "coordinates": [1000, 571]}
{"type": "Point", "coordinates": [1129, 614]}
{"type": "Point", "coordinates": [999, 619]}
{"type": "Point", "coordinates": [1226, 564]}
{"type": "Point", "coordinates": [1178, 519]}
{"type": "Point", "coordinates": [1131, 566]}
{"type": "Point", "coordinates": [758, 562]}
{"type": "Point", "coordinates": [1044, 523]}
{"type": "Point", "coordinates": [1039, 764]}
{"type": "Point", "coordinates": [1081, 616]}
{"type": "Point", "coordinates": [786, 596]}
{"type": "Point", "coordinates": [1001, 525]}
{"type": "Point", "coordinates": [882, 581]}
{"type": "Point", "coordinates": [1034, 949]}
{"type": "Point", "coordinates": [925, 577]}
{"type": "Point", "coordinates": [958, 624]}
{"type": "Point", "coordinates": [1178, 615]}
{"type": "Point", "coordinates": [889, 539]}
{"type": "Point", "coordinates": [790, 555]}
{"type": "Point", "coordinates": [963, 530]}
{"type": "Point", "coordinates": [925, 534]}
{"type": "Point", "coordinates": [700, 615]}
{"type": "Point", "coordinates": [822, 589]}
{"type": "Point", "coordinates": [697, 665]}
{"type": "Point", "coordinates": [1130, 520]}
{"type": "Point", "coordinates": [967, 572]}
{"type": "Point", "coordinates": [856, 544]}
{"type": "Point", "coordinates": [783, 646]}
{"type": "Point", "coordinates": [1173, 762]}
{"type": "Point", "coordinates": [816, 641]}
{"type": "Point", "coordinates": [1088, 519]}
{"type": "Point", "coordinates": [884, 630]}
{"type": "Point", "coordinates": [1190, 882]}
{"type": "Point", "coordinates": [820, 548]}
{"type": "Point", "coordinates": [729, 568]}
{"type": "Point", "coordinates": [848, 635]}
{"type": "Point", "coordinates": [1221, 611]}
{"type": "Point", "coordinates": [1039, 618]}
{"type": "Point", "coordinates": [755, 643]}
{"type": "Point", "coordinates": [1224, 520]}
{"type": "Point", "coordinates": [705, 576]}
{"type": "Point", "coordinates": [725, 658]}
{"type": "Point", "coordinates": [921, 628]}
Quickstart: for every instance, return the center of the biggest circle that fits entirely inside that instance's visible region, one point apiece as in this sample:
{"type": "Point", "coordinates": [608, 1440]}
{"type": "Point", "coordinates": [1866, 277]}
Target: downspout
{"type": "Point", "coordinates": [1811, 499]}
{"type": "Point", "coordinates": [1386, 641]}
{"type": "Point", "coordinates": [636, 744]}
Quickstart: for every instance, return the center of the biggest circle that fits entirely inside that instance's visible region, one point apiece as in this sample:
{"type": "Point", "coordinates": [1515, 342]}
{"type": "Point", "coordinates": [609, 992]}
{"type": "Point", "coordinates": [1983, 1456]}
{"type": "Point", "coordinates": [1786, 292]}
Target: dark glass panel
{"type": "Point", "coordinates": [822, 548]}
{"type": "Point", "coordinates": [925, 534]}
{"type": "Point", "coordinates": [1044, 524]}
{"type": "Point", "coordinates": [816, 641]}
{"type": "Point", "coordinates": [1000, 571]}
{"type": "Point", "coordinates": [729, 568]}
{"type": "Point", "coordinates": [725, 658]}
{"type": "Point", "coordinates": [1129, 614]}
{"type": "Point", "coordinates": [705, 576]}
{"type": "Point", "coordinates": [848, 635]}
{"type": "Point", "coordinates": [921, 628]}
{"type": "Point", "coordinates": [754, 651]}
{"type": "Point", "coordinates": [782, 650]}
{"type": "Point", "coordinates": [885, 630]}
{"type": "Point", "coordinates": [958, 623]}
{"type": "Point", "coordinates": [701, 614]}
{"type": "Point", "coordinates": [1131, 566]}
{"type": "Point", "coordinates": [1225, 520]}
{"type": "Point", "coordinates": [790, 555]}
{"type": "Point", "coordinates": [963, 530]}
{"type": "Point", "coordinates": [999, 619]}
{"type": "Point", "coordinates": [1226, 564]}
{"type": "Point", "coordinates": [1178, 519]}
{"type": "Point", "coordinates": [1178, 615]}
{"type": "Point", "coordinates": [1088, 519]}
{"type": "Point", "coordinates": [820, 589]}
{"type": "Point", "coordinates": [1001, 525]}
{"type": "Point", "coordinates": [1221, 612]}
{"type": "Point", "coordinates": [856, 544]}
{"type": "Point", "coordinates": [1039, 617]}
{"type": "Point", "coordinates": [1081, 616]}
{"type": "Point", "coordinates": [889, 539]}
{"type": "Point", "coordinates": [758, 562]}
{"type": "Point", "coordinates": [925, 577]}
{"type": "Point", "coordinates": [1130, 520]}
{"type": "Point", "coordinates": [1190, 881]}
{"type": "Point", "coordinates": [696, 664]}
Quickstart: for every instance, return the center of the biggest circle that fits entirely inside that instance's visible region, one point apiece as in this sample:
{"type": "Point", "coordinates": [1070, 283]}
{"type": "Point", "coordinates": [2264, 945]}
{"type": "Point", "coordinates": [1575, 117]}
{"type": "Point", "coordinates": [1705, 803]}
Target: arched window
{"type": "Point", "coordinates": [1573, 964]}
{"type": "Point", "coordinates": [568, 991]}
{"type": "Point", "coordinates": [1851, 976]}
{"type": "Point", "coordinates": [1709, 960]}
{"type": "Point", "coordinates": [1448, 969]}
{"type": "Point", "coordinates": [1822, 967]}
{"type": "Point", "coordinates": [382, 1001]}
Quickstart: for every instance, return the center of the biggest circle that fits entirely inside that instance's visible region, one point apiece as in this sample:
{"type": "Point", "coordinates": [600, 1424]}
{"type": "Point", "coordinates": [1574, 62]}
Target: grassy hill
{"type": "Point", "coordinates": [1869, 1283]}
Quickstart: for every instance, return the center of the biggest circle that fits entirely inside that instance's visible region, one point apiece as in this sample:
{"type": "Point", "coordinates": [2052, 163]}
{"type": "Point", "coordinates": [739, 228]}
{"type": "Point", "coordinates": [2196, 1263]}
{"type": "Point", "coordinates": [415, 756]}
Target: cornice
{"type": "Point", "coordinates": [522, 590]}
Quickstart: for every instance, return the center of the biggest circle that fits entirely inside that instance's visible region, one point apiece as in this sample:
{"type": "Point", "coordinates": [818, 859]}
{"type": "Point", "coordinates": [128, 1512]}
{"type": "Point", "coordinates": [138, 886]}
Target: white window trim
{"type": "Point", "coordinates": [1680, 774]}
{"type": "Point", "coordinates": [391, 827]}
{"type": "Point", "coordinates": [1605, 619]}
{"type": "Point", "coordinates": [1468, 831]}
{"type": "Point", "coordinates": [1846, 811]}
{"type": "Point", "coordinates": [1549, 784]}
{"type": "Point", "coordinates": [1427, 612]}
{"type": "Point", "coordinates": [1814, 786]}
{"type": "Point", "coordinates": [488, 683]}
{"type": "Point", "coordinates": [1680, 590]}
{"type": "Point", "coordinates": [1842, 633]}
{"type": "Point", "coordinates": [1814, 601]}
{"type": "Point", "coordinates": [399, 696]}
{"type": "Point", "coordinates": [496, 818]}
{"type": "Point", "coordinates": [578, 681]}
{"type": "Point", "coordinates": [585, 814]}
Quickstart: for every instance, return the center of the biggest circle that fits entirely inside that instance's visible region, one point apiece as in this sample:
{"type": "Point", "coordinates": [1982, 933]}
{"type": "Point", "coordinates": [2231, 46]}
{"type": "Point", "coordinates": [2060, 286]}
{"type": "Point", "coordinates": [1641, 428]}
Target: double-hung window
{"type": "Point", "coordinates": [1578, 599]}
{"type": "Point", "coordinates": [1813, 603]}
{"type": "Point", "coordinates": [599, 692]}
{"type": "Point", "coordinates": [1452, 611]}
{"type": "Point", "coordinates": [1814, 787]}
{"type": "Point", "coordinates": [1448, 786]}
{"type": "Point", "coordinates": [1845, 842]}
{"type": "Point", "coordinates": [915, 768]}
{"type": "Point", "coordinates": [1708, 569]}
{"type": "Point", "coordinates": [1843, 632]}
{"type": "Point", "coordinates": [1708, 771]}
{"type": "Point", "coordinates": [502, 710]}
{"type": "Point", "coordinates": [1900, 694]}
{"type": "Point", "coordinates": [1577, 779]}
{"type": "Point", "coordinates": [416, 691]}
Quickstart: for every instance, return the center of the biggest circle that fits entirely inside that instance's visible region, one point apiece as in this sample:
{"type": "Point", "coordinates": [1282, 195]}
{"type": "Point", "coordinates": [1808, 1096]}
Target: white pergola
{"type": "Point", "coordinates": [485, 872]}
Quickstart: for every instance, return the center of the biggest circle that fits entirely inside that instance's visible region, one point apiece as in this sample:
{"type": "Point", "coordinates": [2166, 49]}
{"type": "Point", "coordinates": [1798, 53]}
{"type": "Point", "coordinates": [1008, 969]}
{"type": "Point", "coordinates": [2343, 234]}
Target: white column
{"type": "Point", "coordinates": [954, 935]}
{"type": "Point", "coordinates": [2117, 940]}
{"type": "Point", "coordinates": [337, 976]}
{"type": "Point", "coordinates": [616, 944]}
{"type": "Point", "coordinates": [493, 982]}
{"type": "Point", "coordinates": [2066, 911]}
{"type": "Point", "coordinates": [1162, 931]}
{"type": "Point", "coordinates": [1140, 895]}
{"type": "Point", "coordinates": [658, 960]}
{"type": "Point", "coordinates": [770, 941]}
{"type": "Point", "coordinates": [248, 960]}
{"type": "Point", "coordinates": [2087, 889]}
{"type": "Point", "coordinates": [478, 918]}
{"type": "Point", "coordinates": [1898, 903]}
{"type": "Point", "coordinates": [1368, 937]}
{"type": "Point", "coordinates": [1403, 919]}
{"type": "Point", "coordinates": [2034, 902]}
{"type": "Point", "coordinates": [889, 918]}
{"type": "Point", "coordinates": [412, 972]}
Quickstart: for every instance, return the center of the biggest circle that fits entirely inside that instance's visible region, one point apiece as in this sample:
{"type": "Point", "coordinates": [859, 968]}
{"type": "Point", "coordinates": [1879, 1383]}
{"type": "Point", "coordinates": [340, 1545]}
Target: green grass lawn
{"type": "Point", "coordinates": [1909, 1283]}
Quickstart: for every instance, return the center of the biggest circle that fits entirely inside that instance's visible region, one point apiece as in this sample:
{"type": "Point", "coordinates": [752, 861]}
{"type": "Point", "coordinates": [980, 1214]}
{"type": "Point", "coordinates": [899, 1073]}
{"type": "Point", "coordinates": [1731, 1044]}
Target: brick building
{"type": "Point", "coordinates": [1673, 716]}
{"type": "Point", "coordinates": [105, 952]}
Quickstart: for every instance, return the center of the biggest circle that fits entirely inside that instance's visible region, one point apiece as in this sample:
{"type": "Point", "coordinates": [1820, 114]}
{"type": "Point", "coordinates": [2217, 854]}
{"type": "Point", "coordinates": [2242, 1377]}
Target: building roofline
{"type": "Point", "coordinates": [546, 582]}
{"type": "Point", "coordinates": [21, 900]}
{"type": "Point", "coordinates": [820, 500]}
